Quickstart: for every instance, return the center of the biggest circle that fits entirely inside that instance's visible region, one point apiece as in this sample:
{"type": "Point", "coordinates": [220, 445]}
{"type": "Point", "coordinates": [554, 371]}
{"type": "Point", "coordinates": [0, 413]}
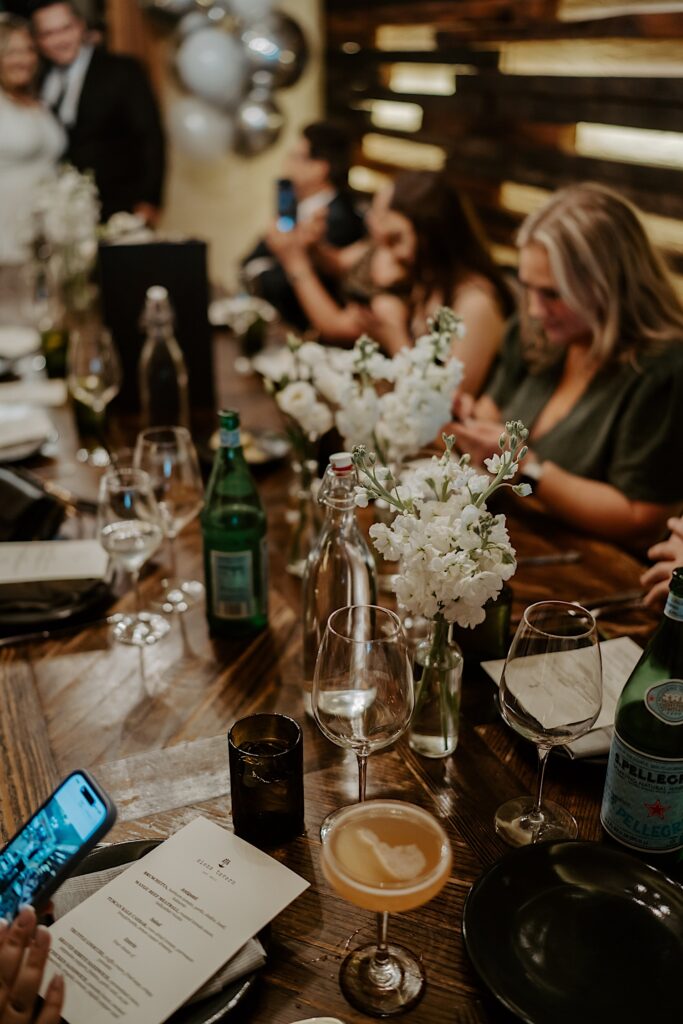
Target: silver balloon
{"type": "Point", "coordinates": [250, 10]}
{"type": "Point", "coordinates": [191, 22]}
{"type": "Point", "coordinates": [276, 44]}
{"type": "Point", "coordinates": [199, 129]}
{"type": "Point", "coordinates": [210, 63]}
{"type": "Point", "coordinates": [258, 123]}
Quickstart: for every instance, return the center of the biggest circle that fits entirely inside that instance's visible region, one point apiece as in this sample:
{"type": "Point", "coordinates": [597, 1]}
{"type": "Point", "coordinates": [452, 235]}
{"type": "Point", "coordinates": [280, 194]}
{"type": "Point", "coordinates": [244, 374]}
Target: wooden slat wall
{"type": "Point", "coordinates": [518, 128]}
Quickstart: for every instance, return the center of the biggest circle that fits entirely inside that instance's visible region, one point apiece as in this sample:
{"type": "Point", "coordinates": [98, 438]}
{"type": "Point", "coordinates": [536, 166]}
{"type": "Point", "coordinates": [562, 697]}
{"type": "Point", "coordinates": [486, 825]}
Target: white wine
{"type": "Point", "coordinates": [642, 805]}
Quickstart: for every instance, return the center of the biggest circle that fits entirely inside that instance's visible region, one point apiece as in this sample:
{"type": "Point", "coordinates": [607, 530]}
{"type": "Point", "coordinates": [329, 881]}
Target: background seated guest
{"type": "Point", "coordinates": [595, 370]}
{"type": "Point", "coordinates": [23, 955]}
{"type": "Point", "coordinates": [106, 104]}
{"type": "Point", "coordinates": [425, 249]}
{"type": "Point", "coordinates": [318, 167]}
{"type": "Point", "coordinates": [669, 556]}
{"type": "Point", "coordinates": [31, 140]}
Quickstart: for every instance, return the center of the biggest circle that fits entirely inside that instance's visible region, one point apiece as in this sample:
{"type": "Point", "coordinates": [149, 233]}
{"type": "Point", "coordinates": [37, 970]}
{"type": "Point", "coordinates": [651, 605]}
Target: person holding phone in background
{"type": "Point", "coordinates": [24, 948]}
{"type": "Point", "coordinates": [316, 169]}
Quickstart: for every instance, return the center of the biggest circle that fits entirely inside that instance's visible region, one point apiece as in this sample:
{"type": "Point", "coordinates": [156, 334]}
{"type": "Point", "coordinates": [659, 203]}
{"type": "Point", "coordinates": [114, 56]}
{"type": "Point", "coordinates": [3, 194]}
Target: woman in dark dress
{"type": "Point", "coordinates": [594, 368]}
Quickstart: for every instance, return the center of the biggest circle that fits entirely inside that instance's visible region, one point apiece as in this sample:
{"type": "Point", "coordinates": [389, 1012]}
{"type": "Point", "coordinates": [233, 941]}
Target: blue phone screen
{"type": "Point", "coordinates": [46, 842]}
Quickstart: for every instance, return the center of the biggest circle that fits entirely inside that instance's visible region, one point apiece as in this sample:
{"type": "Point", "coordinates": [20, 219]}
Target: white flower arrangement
{"type": "Point", "coordinates": [454, 553]}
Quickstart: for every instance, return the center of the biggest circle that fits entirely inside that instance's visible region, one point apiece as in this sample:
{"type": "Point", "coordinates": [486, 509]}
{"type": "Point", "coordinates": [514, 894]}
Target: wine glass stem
{"type": "Point", "coordinates": [362, 775]}
{"type": "Point", "coordinates": [135, 579]}
{"type": "Point", "coordinates": [382, 969]}
{"type": "Point", "coordinates": [536, 815]}
{"type": "Point", "coordinates": [172, 556]}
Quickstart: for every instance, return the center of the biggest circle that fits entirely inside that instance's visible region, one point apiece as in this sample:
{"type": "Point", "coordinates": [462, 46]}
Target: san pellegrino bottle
{"type": "Point", "coordinates": [162, 372]}
{"type": "Point", "coordinates": [234, 534]}
{"type": "Point", "coordinates": [642, 805]}
{"type": "Point", "coordinates": [340, 569]}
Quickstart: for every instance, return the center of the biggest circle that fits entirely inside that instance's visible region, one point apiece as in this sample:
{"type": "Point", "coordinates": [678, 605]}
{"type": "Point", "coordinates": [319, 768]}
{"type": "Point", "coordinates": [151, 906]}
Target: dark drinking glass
{"type": "Point", "coordinates": [267, 779]}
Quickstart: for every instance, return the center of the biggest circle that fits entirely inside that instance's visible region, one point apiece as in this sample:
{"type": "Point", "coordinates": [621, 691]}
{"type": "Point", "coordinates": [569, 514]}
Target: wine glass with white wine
{"type": "Point", "coordinates": [130, 529]}
{"type": "Point", "coordinates": [94, 378]}
{"type": "Point", "coordinates": [550, 693]}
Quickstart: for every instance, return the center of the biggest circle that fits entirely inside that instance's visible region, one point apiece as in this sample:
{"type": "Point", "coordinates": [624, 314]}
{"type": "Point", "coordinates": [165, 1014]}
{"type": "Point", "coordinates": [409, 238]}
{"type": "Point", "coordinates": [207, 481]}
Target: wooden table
{"type": "Point", "coordinates": [159, 747]}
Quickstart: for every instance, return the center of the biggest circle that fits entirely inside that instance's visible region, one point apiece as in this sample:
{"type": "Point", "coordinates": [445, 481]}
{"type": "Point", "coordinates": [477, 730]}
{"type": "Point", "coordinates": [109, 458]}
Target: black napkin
{"type": "Point", "coordinates": [26, 511]}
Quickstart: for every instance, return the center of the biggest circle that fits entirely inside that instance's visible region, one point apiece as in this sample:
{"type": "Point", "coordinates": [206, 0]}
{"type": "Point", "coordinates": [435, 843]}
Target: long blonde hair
{"type": "Point", "coordinates": [606, 270]}
{"type": "Point", "coordinates": [9, 24]}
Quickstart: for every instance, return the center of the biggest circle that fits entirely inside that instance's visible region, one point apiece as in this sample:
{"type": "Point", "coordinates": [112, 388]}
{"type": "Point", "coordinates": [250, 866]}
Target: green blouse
{"type": "Point", "coordinates": [626, 428]}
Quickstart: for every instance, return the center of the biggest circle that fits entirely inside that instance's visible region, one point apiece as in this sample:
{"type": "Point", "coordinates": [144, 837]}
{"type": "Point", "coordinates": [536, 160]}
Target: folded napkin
{"type": "Point", "coordinates": [39, 392]}
{"type": "Point", "coordinates": [16, 342]}
{"type": "Point", "coordinates": [249, 958]}
{"type": "Point", "coordinates": [22, 424]}
{"type": "Point", "coordinates": [562, 699]}
{"type": "Point", "coordinates": [47, 574]}
{"type": "Point", "coordinates": [27, 513]}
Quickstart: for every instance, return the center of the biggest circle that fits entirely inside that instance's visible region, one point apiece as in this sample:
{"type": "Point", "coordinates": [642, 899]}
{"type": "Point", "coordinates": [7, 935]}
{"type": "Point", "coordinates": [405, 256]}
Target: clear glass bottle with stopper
{"type": "Point", "coordinates": [162, 372]}
{"type": "Point", "coordinates": [340, 569]}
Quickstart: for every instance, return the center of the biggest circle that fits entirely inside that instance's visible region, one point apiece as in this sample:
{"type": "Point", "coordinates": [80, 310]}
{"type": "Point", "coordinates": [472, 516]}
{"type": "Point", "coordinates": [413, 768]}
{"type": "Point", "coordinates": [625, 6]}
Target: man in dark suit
{"type": "Point", "coordinates": [318, 167]}
{"type": "Point", "coordinates": [106, 105]}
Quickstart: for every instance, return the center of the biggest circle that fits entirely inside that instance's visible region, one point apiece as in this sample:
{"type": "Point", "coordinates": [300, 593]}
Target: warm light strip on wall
{"type": "Point", "coordinates": [365, 179]}
{"type": "Point", "coordinates": [630, 145]}
{"type": "Point", "coordinates": [579, 10]}
{"type": "Point", "coordinates": [401, 117]}
{"type": "Point", "coordinates": [424, 79]}
{"type": "Point", "coordinates": [419, 156]}
{"type": "Point", "coordinates": [624, 58]}
{"type": "Point", "coordinates": [523, 199]}
{"type": "Point", "coordinates": [405, 37]}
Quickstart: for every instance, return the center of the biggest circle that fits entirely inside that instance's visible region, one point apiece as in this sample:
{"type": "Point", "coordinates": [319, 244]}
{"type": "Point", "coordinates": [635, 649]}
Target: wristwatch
{"type": "Point", "coordinates": [532, 469]}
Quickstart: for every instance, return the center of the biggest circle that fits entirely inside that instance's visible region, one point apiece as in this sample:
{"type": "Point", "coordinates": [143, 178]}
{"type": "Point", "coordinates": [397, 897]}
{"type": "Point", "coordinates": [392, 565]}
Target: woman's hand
{"type": "Point", "coordinates": [669, 556]}
{"type": "Point", "coordinates": [479, 438]}
{"type": "Point", "coordinates": [290, 247]}
{"type": "Point", "coordinates": [23, 955]}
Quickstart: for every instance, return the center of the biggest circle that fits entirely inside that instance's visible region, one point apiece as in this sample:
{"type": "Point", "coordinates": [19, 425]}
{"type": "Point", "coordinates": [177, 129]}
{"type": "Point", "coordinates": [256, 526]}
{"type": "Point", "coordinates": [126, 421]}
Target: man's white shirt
{"type": "Point", "coordinates": [67, 83]}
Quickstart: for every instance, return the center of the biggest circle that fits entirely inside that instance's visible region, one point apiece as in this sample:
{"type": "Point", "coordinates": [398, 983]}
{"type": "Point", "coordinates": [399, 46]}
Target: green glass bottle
{"type": "Point", "coordinates": [234, 533]}
{"type": "Point", "coordinates": [642, 806]}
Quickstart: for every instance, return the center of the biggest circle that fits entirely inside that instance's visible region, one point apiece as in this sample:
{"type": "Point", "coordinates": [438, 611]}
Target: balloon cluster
{"type": "Point", "coordinates": [230, 57]}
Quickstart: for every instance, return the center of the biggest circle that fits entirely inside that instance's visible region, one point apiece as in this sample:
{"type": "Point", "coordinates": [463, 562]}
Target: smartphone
{"type": "Point", "coordinates": [44, 852]}
{"type": "Point", "coordinates": [286, 205]}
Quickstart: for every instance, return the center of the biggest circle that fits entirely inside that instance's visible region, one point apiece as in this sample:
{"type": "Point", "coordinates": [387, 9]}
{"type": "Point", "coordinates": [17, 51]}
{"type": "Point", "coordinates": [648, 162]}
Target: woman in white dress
{"type": "Point", "coordinates": [31, 140]}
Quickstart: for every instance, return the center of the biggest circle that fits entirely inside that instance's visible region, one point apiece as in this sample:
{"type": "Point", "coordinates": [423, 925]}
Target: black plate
{"type": "Point", "coordinates": [209, 1011]}
{"type": "Point", "coordinates": [66, 608]}
{"type": "Point", "coordinates": [571, 931]}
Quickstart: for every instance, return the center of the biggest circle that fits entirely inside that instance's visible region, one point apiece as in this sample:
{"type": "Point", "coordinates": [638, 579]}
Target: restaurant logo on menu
{"type": "Point", "coordinates": [218, 870]}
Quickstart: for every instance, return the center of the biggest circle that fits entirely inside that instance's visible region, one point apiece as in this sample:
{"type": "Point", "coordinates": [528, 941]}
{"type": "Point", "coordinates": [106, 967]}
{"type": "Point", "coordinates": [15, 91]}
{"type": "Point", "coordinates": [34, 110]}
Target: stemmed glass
{"type": "Point", "coordinates": [170, 458]}
{"type": "Point", "coordinates": [130, 529]}
{"type": "Point", "coordinates": [551, 693]}
{"type": "Point", "coordinates": [386, 856]}
{"type": "Point", "coordinates": [363, 683]}
{"type": "Point", "coordinates": [94, 377]}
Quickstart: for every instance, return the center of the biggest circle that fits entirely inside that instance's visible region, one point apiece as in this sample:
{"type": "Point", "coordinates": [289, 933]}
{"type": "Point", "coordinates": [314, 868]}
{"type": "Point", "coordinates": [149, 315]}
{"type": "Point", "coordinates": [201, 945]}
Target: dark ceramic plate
{"type": "Point", "coordinates": [572, 931]}
{"type": "Point", "coordinates": [67, 606]}
{"type": "Point", "coordinates": [209, 1011]}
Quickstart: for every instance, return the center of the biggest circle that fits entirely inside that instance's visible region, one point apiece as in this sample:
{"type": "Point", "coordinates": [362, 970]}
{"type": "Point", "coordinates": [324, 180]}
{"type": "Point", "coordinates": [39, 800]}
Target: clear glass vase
{"type": "Point", "coordinates": [438, 674]}
{"type": "Point", "coordinates": [304, 516]}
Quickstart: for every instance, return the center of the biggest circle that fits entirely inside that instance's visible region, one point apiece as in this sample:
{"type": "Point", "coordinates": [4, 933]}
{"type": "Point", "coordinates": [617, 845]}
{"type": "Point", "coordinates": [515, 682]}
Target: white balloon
{"type": "Point", "coordinates": [251, 10]}
{"type": "Point", "coordinates": [211, 63]}
{"type": "Point", "coordinates": [191, 22]}
{"type": "Point", "coordinates": [199, 129]}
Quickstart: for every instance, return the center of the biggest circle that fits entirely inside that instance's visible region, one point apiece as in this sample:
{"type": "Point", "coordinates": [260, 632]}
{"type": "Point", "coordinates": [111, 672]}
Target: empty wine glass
{"type": "Point", "coordinates": [363, 683]}
{"type": "Point", "coordinates": [551, 693]}
{"type": "Point", "coordinates": [130, 529]}
{"type": "Point", "coordinates": [170, 458]}
{"type": "Point", "coordinates": [94, 378]}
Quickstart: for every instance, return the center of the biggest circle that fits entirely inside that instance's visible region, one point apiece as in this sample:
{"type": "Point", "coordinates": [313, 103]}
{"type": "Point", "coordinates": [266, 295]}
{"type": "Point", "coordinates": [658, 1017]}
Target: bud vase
{"type": "Point", "coordinates": [304, 516]}
{"type": "Point", "coordinates": [438, 673]}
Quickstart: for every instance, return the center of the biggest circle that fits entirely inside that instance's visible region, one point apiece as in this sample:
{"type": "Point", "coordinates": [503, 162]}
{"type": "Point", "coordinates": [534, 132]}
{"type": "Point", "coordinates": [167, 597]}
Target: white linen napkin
{"type": "Point", "coordinates": [37, 392]}
{"type": "Point", "coordinates": [16, 342]}
{"type": "Point", "coordinates": [249, 958]}
{"type": "Point", "coordinates": [23, 425]}
{"type": "Point", "coordinates": [564, 703]}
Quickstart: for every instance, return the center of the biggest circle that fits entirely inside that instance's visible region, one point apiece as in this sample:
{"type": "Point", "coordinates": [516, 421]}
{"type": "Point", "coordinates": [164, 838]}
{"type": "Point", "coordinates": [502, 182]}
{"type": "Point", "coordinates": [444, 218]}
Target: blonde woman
{"type": "Point", "coordinates": [31, 141]}
{"type": "Point", "coordinates": [594, 369]}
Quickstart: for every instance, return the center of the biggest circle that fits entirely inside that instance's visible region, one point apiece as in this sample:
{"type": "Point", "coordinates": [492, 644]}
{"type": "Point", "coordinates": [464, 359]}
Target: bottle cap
{"type": "Point", "coordinates": [157, 293]}
{"type": "Point", "coordinates": [341, 463]}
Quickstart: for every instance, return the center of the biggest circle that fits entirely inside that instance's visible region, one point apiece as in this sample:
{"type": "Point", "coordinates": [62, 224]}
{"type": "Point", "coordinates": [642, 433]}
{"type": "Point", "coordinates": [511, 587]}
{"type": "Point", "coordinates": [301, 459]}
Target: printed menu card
{"type": "Point", "coordinates": [137, 949]}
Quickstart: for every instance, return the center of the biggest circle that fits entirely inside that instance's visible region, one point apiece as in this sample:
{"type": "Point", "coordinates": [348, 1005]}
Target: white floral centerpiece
{"type": "Point", "coordinates": [454, 555]}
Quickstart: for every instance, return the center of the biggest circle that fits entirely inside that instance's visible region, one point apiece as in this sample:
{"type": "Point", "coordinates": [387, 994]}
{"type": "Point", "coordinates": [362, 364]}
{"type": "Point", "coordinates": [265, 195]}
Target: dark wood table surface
{"type": "Point", "coordinates": [158, 745]}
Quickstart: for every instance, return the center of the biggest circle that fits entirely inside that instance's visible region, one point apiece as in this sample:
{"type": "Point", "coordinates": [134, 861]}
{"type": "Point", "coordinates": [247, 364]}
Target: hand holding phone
{"type": "Point", "coordinates": [44, 852]}
{"type": "Point", "coordinates": [286, 205]}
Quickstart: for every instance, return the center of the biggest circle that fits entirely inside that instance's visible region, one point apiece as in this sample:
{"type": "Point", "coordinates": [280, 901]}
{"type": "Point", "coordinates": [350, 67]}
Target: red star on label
{"type": "Point", "coordinates": [656, 810]}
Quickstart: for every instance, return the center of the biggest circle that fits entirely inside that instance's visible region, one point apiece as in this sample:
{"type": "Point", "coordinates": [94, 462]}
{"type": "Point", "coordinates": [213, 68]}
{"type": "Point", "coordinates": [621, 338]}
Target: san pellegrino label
{"type": "Point", "coordinates": [642, 805]}
{"type": "Point", "coordinates": [229, 438]}
{"type": "Point", "coordinates": [665, 701]}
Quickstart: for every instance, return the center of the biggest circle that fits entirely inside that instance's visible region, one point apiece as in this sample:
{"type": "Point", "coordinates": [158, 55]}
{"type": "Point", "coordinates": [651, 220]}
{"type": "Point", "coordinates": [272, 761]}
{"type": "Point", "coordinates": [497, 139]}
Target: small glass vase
{"type": "Point", "coordinates": [304, 516]}
{"type": "Point", "coordinates": [438, 674]}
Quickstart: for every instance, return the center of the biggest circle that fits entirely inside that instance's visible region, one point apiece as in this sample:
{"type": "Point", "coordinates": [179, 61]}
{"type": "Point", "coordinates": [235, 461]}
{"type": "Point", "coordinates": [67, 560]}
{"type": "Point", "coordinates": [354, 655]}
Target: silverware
{"type": "Point", "coordinates": [50, 634]}
{"type": "Point", "coordinates": [625, 600]}
{"type": "Point", "coordinates": [553, 558]}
